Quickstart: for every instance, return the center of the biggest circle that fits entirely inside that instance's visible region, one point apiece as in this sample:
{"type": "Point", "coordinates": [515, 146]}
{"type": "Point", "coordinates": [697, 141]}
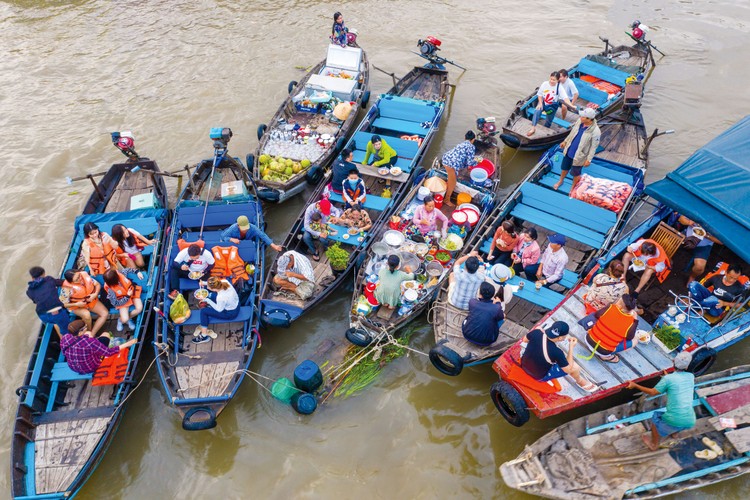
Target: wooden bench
{"type": "Point", "coordinates": [61, 372]}
{"type": "Point", "coordinates": [401, 126]}
{"type": "Point", "coordinates": [404, 148]}
{"type": "Point", "coordinates": [216, 215]}
{"type": "Point", "coordinates": [602, 72]}
{"type": "Point", "coordinates": [246, 312]}
{"type": "Point", "coordinates": [579, 212]}
{"type": "Point", "coordinates": [554, 223]}
{"type": "Point", "coordinates": [372, 202]}
{"type": "Point", "coordinates": [557, 121]}
{"type": "Point", "coordinates": [596, 169]}
{"type": "Point", "coordinates": [407, 109]}
{"type": "Point", "coordinates": [403, 163]}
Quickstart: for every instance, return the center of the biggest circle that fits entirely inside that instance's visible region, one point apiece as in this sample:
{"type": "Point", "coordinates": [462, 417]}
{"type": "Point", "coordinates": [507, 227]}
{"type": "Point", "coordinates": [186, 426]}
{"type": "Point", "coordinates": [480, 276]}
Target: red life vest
{"type": "Point", "coordinates": [228, 264]}
{"type": "Point", "coordinates": [79, 292]}
{"type": "Point", "coordinates": [122, 288]}
{"type": "Point", "coordinates": [654, 261]}
{"type": "Point", "coordinates": [611, 329]}
{"type": "Point", "coordinates": [112, 370]}
{"type": "Point", "coordinates": [102, 258]}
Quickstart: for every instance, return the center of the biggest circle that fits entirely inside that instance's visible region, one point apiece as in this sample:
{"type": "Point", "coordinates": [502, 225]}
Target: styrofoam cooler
{"type": "Point", "coordinates": [341, 88]}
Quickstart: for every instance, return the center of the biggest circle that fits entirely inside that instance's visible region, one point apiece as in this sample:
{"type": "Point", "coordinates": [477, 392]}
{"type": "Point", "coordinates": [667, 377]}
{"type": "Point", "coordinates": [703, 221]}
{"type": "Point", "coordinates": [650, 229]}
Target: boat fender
{"type": "Point", "coordinates": [314, 175]}
{"type": "Point", "coordinates": [261, 130]}
{"type": "Point", "coordinates": [446, 360]}
{"type": "Point", "coordinates": [307, 376]}
{"type": "Point", "coordinates": [509, 403]}
{"type": "Point", "coordinates": [271, 195]}
{"type": "Point", "coordinates": [304, 403]}
{"type": "Point", "coordinates": [365, 99]}
{"type": "Point", "coordinates": [291, 86]}
{"type": "Point", "coordinates": [702, 361]}
{"type": "Point", "coordinates": [358, 336]}
{"type": "Point", "coordinates": [250, 161]}
{"type": "Point", "coordinates": [419, 174]}
{"type": "Point", "coordinates": [272, 318]}
{"type": "Point", "coordinates": [206, 419]}
{"type": "Point", "coordinates": [510, 140]}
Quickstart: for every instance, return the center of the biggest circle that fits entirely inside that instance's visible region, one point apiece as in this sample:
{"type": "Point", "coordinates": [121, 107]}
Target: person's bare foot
{"type": "Point", "coordinates": [449, 204]}
{"type": "Point", "coordinates": [531, 132]}
{"type": "Point", "coordinates": [646, 438]}
{"type": "Point", "coordinates": [557, 185]}
{"type": "Point", "coordinates": [390, 308]}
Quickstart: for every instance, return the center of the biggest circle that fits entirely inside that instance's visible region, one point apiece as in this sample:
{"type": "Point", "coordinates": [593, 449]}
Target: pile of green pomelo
{"type": "Point", "coordinates": [280, 169]}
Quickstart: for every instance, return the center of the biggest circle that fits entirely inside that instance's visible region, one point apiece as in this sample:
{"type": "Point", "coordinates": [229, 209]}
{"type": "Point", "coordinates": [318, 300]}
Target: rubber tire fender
{"type": "Point", "coordinates": [365, 99]}
{"type": "Point", "coordinates": [199, 425]}
{"type": "Point", "coordinates": [509, 403]}
{"type": "Point", "coordinates": [510, 140]}
{"type": "Point", "coordinates": [291, 86]}
{"type": "Point", "coordinates": [446, 360]}
{"type": "Point", "coordinates": [261, 130]}
{"type": "Point", "coordinates": [702, 361]}
{"type": "Point", "coordinates": [358, 336]}
{"type": "Point", "coordinates": [250, 161]}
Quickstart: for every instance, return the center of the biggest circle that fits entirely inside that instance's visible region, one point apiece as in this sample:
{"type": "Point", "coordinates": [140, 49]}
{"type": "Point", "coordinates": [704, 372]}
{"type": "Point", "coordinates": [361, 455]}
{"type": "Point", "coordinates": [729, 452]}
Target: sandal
{"type": "Point", "coordinates": [712, 445]}
{"type": "Point", "coordinates": [316, 257]}
{"type": "Point", "coordinates": [613, 358]}
{"type": "Point", "coordinates": [589, 387]}
{"type": "Point", "coordinates": [706, 454]}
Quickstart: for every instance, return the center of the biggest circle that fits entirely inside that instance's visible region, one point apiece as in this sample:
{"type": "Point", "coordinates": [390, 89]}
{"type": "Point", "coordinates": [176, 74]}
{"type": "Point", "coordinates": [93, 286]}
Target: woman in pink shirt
{"type": "Point", "coordinates": [426, 217]}
{"type": "Point", "coordinates": [526, 254]}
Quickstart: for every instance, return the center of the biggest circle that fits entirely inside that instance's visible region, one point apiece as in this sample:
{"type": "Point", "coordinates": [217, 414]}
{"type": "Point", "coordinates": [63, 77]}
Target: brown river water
{"type": "Point", "coordinates": [168, 70]}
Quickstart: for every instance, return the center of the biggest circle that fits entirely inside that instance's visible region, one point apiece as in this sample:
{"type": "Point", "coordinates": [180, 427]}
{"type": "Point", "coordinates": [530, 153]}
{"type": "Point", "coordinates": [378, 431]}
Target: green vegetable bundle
{"type": "Point", "coordinates": [669, 335]}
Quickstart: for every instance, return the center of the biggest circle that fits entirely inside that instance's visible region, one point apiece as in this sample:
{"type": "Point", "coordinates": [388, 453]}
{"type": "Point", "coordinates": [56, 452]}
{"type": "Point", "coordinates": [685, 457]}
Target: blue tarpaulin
{"type": "Point", "coordinates": [712, 187]}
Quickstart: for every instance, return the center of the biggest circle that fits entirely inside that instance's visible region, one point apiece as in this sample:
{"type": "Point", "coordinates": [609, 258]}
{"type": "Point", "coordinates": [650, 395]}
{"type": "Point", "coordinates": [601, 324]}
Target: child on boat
{"type": "Point", "coordinates": [340, 33]}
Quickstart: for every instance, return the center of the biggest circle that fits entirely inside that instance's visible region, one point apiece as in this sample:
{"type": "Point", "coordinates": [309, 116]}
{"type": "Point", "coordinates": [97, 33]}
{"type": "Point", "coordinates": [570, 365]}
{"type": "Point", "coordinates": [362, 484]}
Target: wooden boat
{"type": "Point", "coordinates": [700, 333]}
{"type": "Point", "coordinates": [343, 76]}
{"type": "Point", "coordinates": [418, 98]}
{"type": "Point", "coordinates": [589, 229]}
{"type": "Point", "coordinates": [601, 82]}
{"type": "Point", "coordinates": [602, 455]}
{"type": "Point", "coordinates": [64, 424]}
{"type": "Point", "coordinates": [370, 323]}
{"type": "Point", "coordinates": [201, 379]}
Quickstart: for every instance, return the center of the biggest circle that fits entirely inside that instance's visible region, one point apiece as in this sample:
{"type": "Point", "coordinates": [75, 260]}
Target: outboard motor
{"type": "Point", "coordinates": [639, 30]}
{"type": "Point", "coordinates": [487, 131]}
{"type": "Point", "coordinates": [125, 142]}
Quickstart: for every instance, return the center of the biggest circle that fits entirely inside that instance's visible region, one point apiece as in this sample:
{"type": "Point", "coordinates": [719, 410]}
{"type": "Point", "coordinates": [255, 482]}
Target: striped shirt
{"type": "Point", "coordinates": [301, 266]}
{"type": "Point", "coordinates": [465, 286]}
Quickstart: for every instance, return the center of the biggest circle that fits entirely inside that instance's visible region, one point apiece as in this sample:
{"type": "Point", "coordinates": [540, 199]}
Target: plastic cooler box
{"type": "Point", "coordinates": [145, 200]}
{"type": "Point", "coordinates": [339, 59]}
{"type": "Point", "coordinates": [233, 191]}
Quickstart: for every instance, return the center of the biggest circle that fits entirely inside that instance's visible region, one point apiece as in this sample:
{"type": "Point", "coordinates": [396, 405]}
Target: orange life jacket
{"type": "Point", "coordinates": [122, 288]}
{"type": "Point", "coordinates": [101, 258]}
{"type": "Point", "coordinates": [654, 261]}
{"type": "Point", "coordinates": [228, 264]}
{"type": "Point", "coordinates": [112, 370]}
{"type": "Point", "coordinates": [611, 328]}
{"type": "Point", "coordinates": [80, 291]}
{"type": "Point", "coordinates": [721, 269]}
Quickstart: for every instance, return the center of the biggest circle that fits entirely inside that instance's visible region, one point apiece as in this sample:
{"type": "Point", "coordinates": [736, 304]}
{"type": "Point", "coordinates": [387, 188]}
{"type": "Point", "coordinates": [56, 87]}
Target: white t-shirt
{"type": "Point", "coordinates": [200, 264]}
{"type": "Point", "coordinates": [570, 87]}
{"type": "Point", "coordinates": [550, 94]}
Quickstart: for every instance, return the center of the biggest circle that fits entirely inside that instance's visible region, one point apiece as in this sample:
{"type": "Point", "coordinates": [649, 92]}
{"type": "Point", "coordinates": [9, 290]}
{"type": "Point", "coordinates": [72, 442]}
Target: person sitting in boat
{"type": "Point", "coordinates": [648, 256]}
{"type": "Point", "coordinates": [679, 414]}
{"type": "Point", "coordinates": [700, 241]}
{"type": "Point", "coordinates": [606, 288]}
{"type": "Point", "coordinates": [570, 89]}
{"type": "Point", "coordinates": [123, 293]}
{"type": "Point", "coordinates": [101, 252]}
{"type": "Point", "coordinates": [339, 32]}
{"type": "Point", "coordinates": [526, 254]}
{"type": "Point", "coordinates": [226, 305]}
{"type": "Point", "coordinates": [79, 294]}
{"type": "Point", "coordinates": [294, 270]}
{"type": "Point", "coordinates": [355, 192]}
{"type": "Point", "coordinates": [553, 261]}
{"type": "Point", "coordinates": [465, 279]}
{"type": "Point", "coordinates": [340, 170]}
{"type": "Point", "coordinates": [613, 329]}
{"type": "Point", "coordinates": [459, 158]}
{"type": "Point", "coordinates": [579, 147]}
{"type": "Point", "coordinates": [543, 360]}
{"type": "Point", "coordinates": [503, 243]}
{"type": "Point", "coordinates": [132, 243]}
{"type": "Point", "coordinates": [719, 291]}
{"type": "Point", "coordinates": [549, 95]}
{"type": "Point", "coordinates": [426, 217]}
{"type": "Point", "coordinates": [382, 153]}
{"type": "Point", "coordinates": [243, 230]}
{"type": "Point", "coordinates": [388, 292]}
{"type": "Point", "coordinates": [318, 229]}
{"type": "Point", "coordinates": [84, 351]}
{"type": "Point", "coordinates": [357, 218]}
{"type": "Point", "coordinates": [193, 259]}
{"type": "Point", "coordinates": [43, 293]}
{"type": "Point", "coordinates": [482, 324]}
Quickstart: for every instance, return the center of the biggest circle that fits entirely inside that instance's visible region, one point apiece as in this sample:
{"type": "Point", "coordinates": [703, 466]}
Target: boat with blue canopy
{"type": "Point", "coordinates": [200, 379]}
{"type": "Point", "coordinates": [693, 202]}
{"type": "Point", "coordinates": [65, 420]}
{"type": "Point", "coordinates": [407, 118]}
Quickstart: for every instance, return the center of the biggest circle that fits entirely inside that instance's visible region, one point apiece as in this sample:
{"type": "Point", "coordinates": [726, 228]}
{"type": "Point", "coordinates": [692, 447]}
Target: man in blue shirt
{"type": "Point", "coordinates": [579, 147]}
{"type": "Point", "coordinates": [341, 168]}
{"type": "Point", "coordinates": [482, 325]}
{"type": "Point", "coordinates": [243, 230]}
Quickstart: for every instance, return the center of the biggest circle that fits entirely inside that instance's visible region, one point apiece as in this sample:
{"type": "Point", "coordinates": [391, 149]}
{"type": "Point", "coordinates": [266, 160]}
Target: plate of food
{"type": "Point", "coordinates": [395, 171]}
{"type": "Point", "coordinates": [194, 275]}
{"type": "Point", "coordinates": [201, 294]}
{"type": "Point", "coordinates": [699, 232]}
{"type": "Point", "coordinates": [361, 239]}
{"type": "Point", "coordinates": [643, 336]}
{"type": "Point", "coordinates": [638, 262]}
{"type": "Point", "coordinates": [352, 230]}
{"type": "Point", "coordinates": [383, 170]}
{"type": "Point", "coordinates": [345, 236]}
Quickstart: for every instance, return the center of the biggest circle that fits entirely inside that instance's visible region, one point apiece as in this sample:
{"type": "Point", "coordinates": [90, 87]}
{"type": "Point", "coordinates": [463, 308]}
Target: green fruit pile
{"type": "Point", "coordinates": [280, 169]}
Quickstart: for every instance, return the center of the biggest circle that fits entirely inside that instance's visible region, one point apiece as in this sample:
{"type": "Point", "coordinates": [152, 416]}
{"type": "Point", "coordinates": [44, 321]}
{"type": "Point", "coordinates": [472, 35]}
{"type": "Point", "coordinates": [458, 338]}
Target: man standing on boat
{"type": "Point", "coordinates": [579, 147]}
{"type": "Point", "coordinates": [679, 414]}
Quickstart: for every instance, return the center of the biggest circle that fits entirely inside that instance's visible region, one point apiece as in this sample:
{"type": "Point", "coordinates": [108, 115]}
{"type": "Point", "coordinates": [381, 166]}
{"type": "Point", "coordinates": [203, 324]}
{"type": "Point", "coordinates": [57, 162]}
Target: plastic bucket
{"type": "Point", "coordinates": [307, 376]}
{"type": "Point", "coordinates": [478, 176]}
{"type": "Point", "coordinates": [438, 200]}
{"type": "Point", "coordinates": [462, 198]}
{"type": "Point", "coordinates": [487, 166]}
{"type": "Point", "coordinates": [304, 403]}
{"type": "Point", "coordinates": [283, 389]}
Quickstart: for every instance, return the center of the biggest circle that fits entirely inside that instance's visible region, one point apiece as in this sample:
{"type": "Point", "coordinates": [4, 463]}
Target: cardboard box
{"type": "Point", "coordinates": [233, 190]}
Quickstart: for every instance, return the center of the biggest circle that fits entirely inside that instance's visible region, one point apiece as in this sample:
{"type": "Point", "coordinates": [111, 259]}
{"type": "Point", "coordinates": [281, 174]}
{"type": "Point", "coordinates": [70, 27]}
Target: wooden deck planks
{"type": "Point", "coordinates": [202, 380]}
{"type": "Point", "coordinates": [131, 185]}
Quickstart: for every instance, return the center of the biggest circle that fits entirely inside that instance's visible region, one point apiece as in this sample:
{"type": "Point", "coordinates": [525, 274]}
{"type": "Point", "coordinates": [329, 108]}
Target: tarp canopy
{"type": "Point", "coordinates": [712, 187]}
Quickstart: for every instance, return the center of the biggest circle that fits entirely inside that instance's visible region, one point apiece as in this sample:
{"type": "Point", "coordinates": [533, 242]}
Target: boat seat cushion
{"type": "Point", "coordinates": [411, 110]}
{"type": "Point", "coordinates": [602, 72]}
{"type": "Point", "coordinates": [372, 202]}
{"type": "Point", "coordinates": [246, 312]}
{"type": "Point", "coordinates": [401, 126]}
{"type": "Point", "coordinates": [404, 148]}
